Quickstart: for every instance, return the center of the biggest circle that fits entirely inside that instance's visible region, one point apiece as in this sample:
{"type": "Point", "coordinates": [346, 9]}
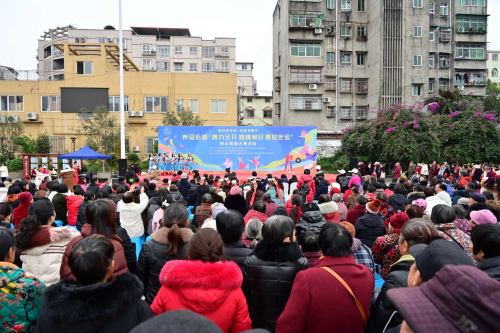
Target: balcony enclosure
{"type": "Point", "coordinates": [471, 25]}
{"type": "Point", "coordinates": [471, 78]}
{"type": "Point", "coordinates": [306, 75]}
{"type": "Point", "coordinates": [305, 21]}
{"type": "Point", "coordinates": [306, 103]}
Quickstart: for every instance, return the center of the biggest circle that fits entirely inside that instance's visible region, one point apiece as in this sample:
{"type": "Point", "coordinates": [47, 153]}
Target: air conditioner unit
{"type": "Point", "coordinates": [2, 119]}
{"type": "Point", "coordinates": [31, 116]}
{"type": "Point", "coordinates": [460, 87]}
{"type": "Point", "coordinates": [111, 40]}
{"type": "Point", "coordinates": [136, 148]}
{"type": "Point", "coordinates": [153, 51]}
{"type": "Point", "coordinates": [139, 113]}
{"type": "Point", "coordinates": [318, 31]}
{"type": "Point", "coordinates": [313, 86]}
{"type": "Point", "coordinates": [131, 113]}
{"type": "Point", "coordinates": [327, 99]}
{"type": "Point", "coordinates": [12, 119]}
{"type": "Point", "coordinates": [461, 29]}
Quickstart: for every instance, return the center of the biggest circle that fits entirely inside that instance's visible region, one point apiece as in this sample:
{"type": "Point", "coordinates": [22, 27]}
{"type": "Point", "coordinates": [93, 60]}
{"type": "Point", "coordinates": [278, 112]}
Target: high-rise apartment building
{"type": "Point", "coordinates": [336, 59]}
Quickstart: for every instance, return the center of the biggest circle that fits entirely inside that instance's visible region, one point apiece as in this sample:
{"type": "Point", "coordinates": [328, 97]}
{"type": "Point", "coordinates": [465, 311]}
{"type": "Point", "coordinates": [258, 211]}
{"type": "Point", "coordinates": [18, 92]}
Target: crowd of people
{"type": "Point", "coordinates": [298, 254]}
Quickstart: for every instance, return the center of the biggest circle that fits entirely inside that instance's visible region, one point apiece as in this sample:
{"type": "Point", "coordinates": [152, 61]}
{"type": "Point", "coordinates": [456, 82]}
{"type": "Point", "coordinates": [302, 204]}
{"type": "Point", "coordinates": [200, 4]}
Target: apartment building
{"type": "Point", "coordinates": [152, 49]}
{"type": "Point", "coordinates": [493, 65]}
{"type": "Point", "coordinates": [334, 60]}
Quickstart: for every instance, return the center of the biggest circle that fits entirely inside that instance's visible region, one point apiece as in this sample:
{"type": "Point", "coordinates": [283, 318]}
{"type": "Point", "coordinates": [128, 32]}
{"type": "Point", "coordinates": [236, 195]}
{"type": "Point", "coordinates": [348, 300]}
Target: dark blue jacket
{"type": "Point", "coordinates": [456, 196]}
{"type": "Point", "coordinates": [321, 189]}
{"type": "Point", "coordinates": [184, 187]}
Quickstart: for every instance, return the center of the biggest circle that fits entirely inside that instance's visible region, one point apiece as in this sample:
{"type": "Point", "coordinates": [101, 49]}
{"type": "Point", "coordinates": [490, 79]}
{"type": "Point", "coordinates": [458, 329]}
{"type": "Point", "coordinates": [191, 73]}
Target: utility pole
{"type": "Point", "coordinates": [123, 161]}
{"type": "Point", "coordinates": [238, 113]}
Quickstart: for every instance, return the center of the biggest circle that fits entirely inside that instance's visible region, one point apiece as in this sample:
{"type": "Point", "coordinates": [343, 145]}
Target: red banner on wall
{"type": "Point", "coordinates": [26, 166]}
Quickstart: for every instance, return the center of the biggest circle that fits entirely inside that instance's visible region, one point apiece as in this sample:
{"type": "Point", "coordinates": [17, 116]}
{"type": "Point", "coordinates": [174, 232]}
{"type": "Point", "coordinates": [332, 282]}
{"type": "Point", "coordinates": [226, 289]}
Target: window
{"type": "Point", "coordinates": [471, 24]}
{"type": "Point", "coordinates": [11, 103]}
{"type": "Point", "coordinates": [469, 51]}
{"type": "Point", "coordinates": [224, 51]}
{"type": "Point", "coordinates": [330, 112]}
{"type": "Point", "coordinates": [417, 31]}
{"type": "Point", "coordinates": [444, 61]}
{"type": "Point", "coordinates": [249, 113]}
{"type": "Point", "coordinates": [362, 86]}
{"type": "Point", "coordinates": [157, 104]}
{"type": "Point", "coordinates": [417, 60]}
{"type": "Point", "coordinates": [224, 66]}
{"type": "Point", "coordinates": [85, 115]}
{"type": "Point", "coordinates": [432, 35]}
{"type": "Point", "coordinates": [417, 89]}
{"type": "Point", "coordinates": [345, 32]}
{"type": "Point", "coordinates": [179, 105]}
{"type": "Point", "coordinates": [80, 40]}
{"type": "Point", "coordinates": [362, 112]}
{"type": "Point", "coordinates": [361, 5]}
{"type": "Point", "coordinates": [178, 50]}
{"type": "Point", "coordinates": [346, 85]}
{"type": "Point", "coordinates": [345, 112]}
{"type": "Point", "coordinates": [463, 2]}
{"type": "Point", "coordinates": [306, 103]}
{"type": "Point", "coordinates": [361, 57]}
{"type": "Point", "coordinates": [84, 67]}
{"type": "Point", "coordinates": [146, 64]}
{"type": "Point", "coordinates": [114, 103]}
{"type": "Point", "coordinates": [303, 49]}
{"type": "Point", "coordinates": [150, 145]}
{"type": "Point", "coordinates": [51, 103]}
{"type": "Point", "coordinates": [193, 105]}
{"type": "Point", "coordinates": [345, 4]}
{"type": "Point", "coordinates": [443, 9]}
{"type": "Point", "coordinates": [56, 51]}
{"type": "Point", "coordinates": [306, 20]}
{"type": "Point", "coordinates": [207, 67]}
{"type": "Point", "coordinates": [268, 100]}
{"type": "Point", "coordinates": [163, 66]}
{"type": "Point", "coordinates": [57, 145]}
{"type": "Point", "coordinates": [330, 57]}
{"type": "Point", "coordinates": [330, 4]}
{"type": "Point", "coordinates": [330, 83]}
{"type": "Point", "coordinates": [443, 84]}
{"type": "Point", "coordinates": [479, 3]}
{"type": "Point", "coordinates": [494, 57]}
{"type": "Point", "coordinates": [431, 60]}
{"type": "Point", "coordinates": [124, 42]}
{"type": "Point", "coordinates": [193, 67]}
{"type": "Point", "coordinates": [494, 72]}
{"type": "Point", "coordinates": [193, 50]}
{"type": "Point", "coordinates": [163, 51]}
{"type": "Point", "coordinates": [362, 31]}
{"type": "Point", "coordinates": [431, 85]}
{"type": "Point", "coordinates": [267, 113]}
{"type": "Point", "coordinates": [217, 106]}
{"type": "Point", "coordinates": [345, 59]}
{"type": "Point", "coordinates": [431, 8]}
{"type": "Point", "coordinates": [249, 100]}
{"type": "Point", "coordinates": [417, 3]}
{"type": "Point", "coordinates": [178, 66]}
{"type": "Point", "coordinates": [102, 40]}
{"type": "Point", "coordinates": [146, 48]}
{"type": "Point", "coordinates": [208, 52]}
{"type": "Point", "coordinates": [306, 75]}
{"type": "Point", "coordinates": [243, 67]}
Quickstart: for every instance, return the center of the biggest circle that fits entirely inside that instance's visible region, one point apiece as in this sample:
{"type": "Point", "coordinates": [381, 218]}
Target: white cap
{"type": "Point", "coordinates": [341, 171]}
{"type": "Point", "coordinates": [354, 171]}
{"type": "Point", "coordinates": [377, 163]}
{"type": "Point", "coordinates": [318, 167]}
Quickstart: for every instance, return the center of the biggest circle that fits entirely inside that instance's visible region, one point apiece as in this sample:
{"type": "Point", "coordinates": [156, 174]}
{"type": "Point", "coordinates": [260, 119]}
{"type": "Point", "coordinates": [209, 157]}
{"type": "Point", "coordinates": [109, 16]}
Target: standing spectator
{"type": "Point", "coordinates": [205, 284]}
{"type": "Point", "coordinates": [306, 186]}
{"type": "Point", "coordinates": [68, 178]}
{"type": "Point", "coordinates": [308, 243]}
{"type": "Point", "coordinates": [60, 204]}
{"type": "Point", "coordinates": [4, 172]}
{"type": "Point", "coordinates": [271, 206]}
{"type": "Point", "coordinates": [369, 226]}
{"type": "Point", "coordinates": [176, 195]}
{"type": "Point", "coordinates": [397, 171]}
{"type": "Point", "coordinates": [271, 268]}
{"type": "Point", "coordinates": [255, 194]}
{"type": "Point", "coordinates": [485, 245]}
{"type": "Point", "coordinates": [3, 192]}
{"type": "Point", "coordinates": [204, 211]}
{"type": "Point", "coordinates": [166, 244]}
{"type": "Point", "coordinates": [351, 200]}
{"type": "Point", "coordinates": [200, 191]}
{"type": "Point", "coordinates": [328, 209]}
{"type": "Point", "coordinates": [432, 200]}
{"type": "Point", "coordinates": [73, 203]}
{"type": "Point", "coordinates": [131, 213]}
{"type": "Point", "coordinates": [342, 207]}
{"type": "Point", "coordinates": [184, 186]}
{"type": "Point", "coordinates": [215, 196]}
{"type": "Point", "coordinates": [121, 182]}
{"type": "Point", "coordinates": [276, 192]}
{"type": "Point", "coordinates": [20, 295]}
{"type": "Point", "coordinates": [236, 201]}
{"type": "Point", "coordinates": [319, 301]}
{"type": "Point", "coordinates": [359, 210]}
{"type": "Point", "coordinates": [84, 305]}
{"type": "Point", "coordinates": [37, 241]}
{"type": "Point", "coordinates": [25, 201]}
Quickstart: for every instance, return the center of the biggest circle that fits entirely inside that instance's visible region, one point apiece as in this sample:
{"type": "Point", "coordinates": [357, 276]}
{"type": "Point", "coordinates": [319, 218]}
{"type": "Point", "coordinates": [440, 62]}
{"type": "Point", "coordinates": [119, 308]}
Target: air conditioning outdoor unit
{"type": "Point", "coordinates": [2, 119]}
{"type": "Point", "coordinates": [139, 113]}
{"type": "Point", "coordinates": [12, 119]}
{"type": "Point", "coordinates": [313, 86]}
{"type": "Point", "coordinates": [31, 116]}
{"type": "Point", "coordinates": [136, 148]}
{"type": "Point", "coordinates": [461, 29]}
{"type": "Point", "coordinates": [131, 113]}
{"type": "Point", "coordinates": [327, 99]}
{"type": "Point", "coordinates": [318, 31]}
{"type": "Point", "coordinates": [110, 40]}
{"type": "Point", "coordinates": [153, 51]}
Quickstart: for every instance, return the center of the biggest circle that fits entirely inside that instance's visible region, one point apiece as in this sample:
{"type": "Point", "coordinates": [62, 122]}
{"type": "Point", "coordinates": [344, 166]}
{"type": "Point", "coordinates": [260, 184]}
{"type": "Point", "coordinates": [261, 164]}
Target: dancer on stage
{"type": "Point", "coordinates": [191, 162]}
{"type": "Point", "coordinates": [150, 159]}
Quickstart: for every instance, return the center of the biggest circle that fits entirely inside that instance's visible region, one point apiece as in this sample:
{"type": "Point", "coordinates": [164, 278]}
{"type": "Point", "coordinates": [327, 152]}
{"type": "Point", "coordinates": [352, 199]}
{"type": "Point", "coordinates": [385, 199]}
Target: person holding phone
{"type": "Point", "coordinates": [130, 212]}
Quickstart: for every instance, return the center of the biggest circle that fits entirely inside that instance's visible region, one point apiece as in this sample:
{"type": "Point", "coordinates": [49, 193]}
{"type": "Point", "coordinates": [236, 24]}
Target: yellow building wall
{"type": "Point", "coordinates": [137, 86]}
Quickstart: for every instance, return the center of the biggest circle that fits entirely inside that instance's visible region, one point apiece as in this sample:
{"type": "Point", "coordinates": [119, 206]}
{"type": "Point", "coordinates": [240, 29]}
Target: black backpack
{"type": "Point", "coordinates": [305, 188]}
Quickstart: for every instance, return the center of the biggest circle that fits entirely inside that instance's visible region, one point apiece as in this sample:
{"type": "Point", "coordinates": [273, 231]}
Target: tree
{"type": "Point", "coordinates": [181, 117]}
{"type": "Point", "coordinates": [9, 138]}
{"type": "Point", "coordinates": [27, 144]}
{"type": "Point", "coordinates": [42, 144]}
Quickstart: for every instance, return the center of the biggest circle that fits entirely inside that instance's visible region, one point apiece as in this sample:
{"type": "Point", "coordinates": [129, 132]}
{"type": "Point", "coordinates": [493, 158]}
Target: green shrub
{"type": "Point", "coordinates": [144, 166]}
{"type": "Point", "coordinates": [15, 165]}
{"type": "Point", "coordinates": [133, 158]}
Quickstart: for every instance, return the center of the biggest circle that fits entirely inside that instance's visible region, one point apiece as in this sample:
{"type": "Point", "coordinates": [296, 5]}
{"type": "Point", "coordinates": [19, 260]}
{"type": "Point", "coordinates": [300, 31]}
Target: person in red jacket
{"type": "Point", "coordinates": [73, 203]}
{"type": "Point", "coordinates": [397, 171]}
{"type": "Point", "coordinates": [258, 212]}
{"type": "Point", "coordinates": [19, 213]}
{"type": "Point", "coordinates": [319, 302]}
{"type": "Point", "coordinates": [205, 284]}
{"type": "Point", "coordinates": [306, 178]}
{"type": "Point", "coordinates": [357, 211]}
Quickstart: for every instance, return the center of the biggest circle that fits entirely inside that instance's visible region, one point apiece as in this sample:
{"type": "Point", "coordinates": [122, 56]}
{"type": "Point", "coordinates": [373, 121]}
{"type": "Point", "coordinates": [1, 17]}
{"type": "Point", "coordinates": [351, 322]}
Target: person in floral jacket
{"type": "Point", "coordinates": [386, 211]}
{"type": "Point", "coordinates": [385, 250]}
{"type": "Point", "coordinates": [20, 295]}
{"type": "Point", "coordinates": [204, 211]}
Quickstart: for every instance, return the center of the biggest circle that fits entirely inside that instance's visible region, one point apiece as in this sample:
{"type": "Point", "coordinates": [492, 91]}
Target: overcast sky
{"type": "Point", "coordinates": [23, 21]}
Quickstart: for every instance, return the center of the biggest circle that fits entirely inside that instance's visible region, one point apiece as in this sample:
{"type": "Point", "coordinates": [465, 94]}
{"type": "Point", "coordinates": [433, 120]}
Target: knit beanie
{"type": "Point", "coordinates": [397, 221]}
{"type": "Point", "coordinates": [421, 203]}
{"type": "Point", "coordinates": [336, 190]}
{"type": "Point", "coordinates": [25, 198]}
{"type": "Point", "coordinates": [349, 227]}
{"type": "Point", "coordinates": [374, 206]}
{"type": "Point", "coordinates": [235, 190]}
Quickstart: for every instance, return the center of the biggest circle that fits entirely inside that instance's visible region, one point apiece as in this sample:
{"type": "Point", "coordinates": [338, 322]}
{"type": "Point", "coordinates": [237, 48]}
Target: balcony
{"type": "Point", "coordinates": [306, 21]}
{"type": "Point", "coordinates": [150, 53]}
{"type": "Point", "coordinates": [306, 75]}
{"type": "Point", "coordinates": [470, 30]}
{"type": "Point", "coordinates": [346, 9]}
{"type": "Point", "coordinates": [277, 83]}
{"type": "Point", "coordinates": [471, 78]}
{"type": "Point", "coordinates": [362, 38]}
{"type": "Point", "coordinates": [222, 54]}
{"type": "Point", "coordinates": [222, 69]}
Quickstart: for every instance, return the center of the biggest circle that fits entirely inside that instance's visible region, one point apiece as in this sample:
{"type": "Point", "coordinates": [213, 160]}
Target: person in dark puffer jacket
{"type": "Point", "coordinates": [167, 243]}
{"type": "Point", "coordinates": [271, 270]}
{"type": "Point", "coordinates": [311, 220]}
{"type": "Point", "coordinates": [369, 226]}
{"type": "Point", "coordinates": [322, 187]}
{"type": "Point", "coordinates": [184, 187]}
{"type": "Point", "coordinates": [200, 191]}
{"type": "Point", "coordinates": [486, 248]}
{"type": "Point", "coordinates": [398, 200]}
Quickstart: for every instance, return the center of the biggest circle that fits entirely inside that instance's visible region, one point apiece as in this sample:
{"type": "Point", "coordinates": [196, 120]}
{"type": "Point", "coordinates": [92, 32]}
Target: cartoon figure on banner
{"type": "Point", "coordinates": [310, 156]}
{"type": "Point", "coordinates": [288, 160]}
{"type": "Point", "coordinates": [255, 162]}
{"type": "Point", "coordinates": [228, 163]}
{"type": "Point", "coordinates": [241, 165]}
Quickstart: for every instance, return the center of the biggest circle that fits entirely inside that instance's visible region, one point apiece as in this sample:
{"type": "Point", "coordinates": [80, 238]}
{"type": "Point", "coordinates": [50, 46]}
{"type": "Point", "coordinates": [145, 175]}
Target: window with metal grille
{"type": "Point", "coordinates": [306, 75]}
{"type": "Point", "coordinates": [178, 50]}
{"type": "Point", "coordinates": [330, 112]}
{"type": "Point", "coordinates": [362, 111]}
{"type": "Point", "coordinates": [345, 112]}
{"type": "Point", "coordinates": [362, 86]}
{"type": "Point", "coordinates": [178, 66]}
{"type": "Point", "coordinates": [224, 66]}
{"type": "Point", "coordinates": [150, 144]}
{"type": "Point", "coordinates": [303, 49]}
{"type": "Point", "coordinates": [469, 51]}
{"type": "Point", "coordinates": [146, 48]}
{"type": "Point", "coordinates": [307, 103]}
{"type": "Point", "coordinates": [146, 64]}
{"type": "Point", "coordinates": [224, 50]}
{"type": "Point", "coordinates": [330, 83]}
{"type": "Point", "coordinates": [346, 85]}
{"type": "Point", "coordinates": [163, 66]}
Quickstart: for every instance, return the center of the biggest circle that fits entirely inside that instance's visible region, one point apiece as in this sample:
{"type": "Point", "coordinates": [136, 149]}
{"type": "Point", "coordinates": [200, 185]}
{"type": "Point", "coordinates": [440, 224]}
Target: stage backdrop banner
{"type": "Point", "coordinates": [243, 148]}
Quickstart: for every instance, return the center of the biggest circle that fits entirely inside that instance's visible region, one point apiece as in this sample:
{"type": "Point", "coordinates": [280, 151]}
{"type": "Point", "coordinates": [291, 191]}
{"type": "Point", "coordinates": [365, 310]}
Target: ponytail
{"type": "Point", "coordinates": [29, 226]}
{"type": "Point", "coordinates": [253, 243]}
{"type": "Point", "coordinates": [175, 240]}
{"type": "Point", "coordinates": [294, 214]}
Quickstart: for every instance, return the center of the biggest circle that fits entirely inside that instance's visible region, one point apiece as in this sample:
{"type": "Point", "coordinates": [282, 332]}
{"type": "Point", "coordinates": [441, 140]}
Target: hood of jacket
{"type": "Point", "coordinates": [313, 217]}
{"type": "Point", "coordinates": [328, 207]}
{"type": "Point", "coordinates": [306, 178]}
{"type": "Point", "coordinates": [161, 235]}
{"type": "Point", "coordinates": [188, 277]}
{"type": "Point", "coordinates": [153, 201]}
{"type": "Point", "coordinates": [416, 194]}
{"type": "Point", "coordinates": [370, 220]}
{"type": "Point", "coordinates": [398, 198]}
{"type": "Point", "coordinates": [48, 235]}
{"type": "Point", "coordinates": [184, 181]}
{"type": "Point", "coordinates": [277, 252]}
{"type": "Point", "coordinates": [74, 200]}
{"type": "Point", "coordinates": [217, 204]}
{"type": "Point", "coordinates": [100, 302]}
{"type": "Point", "coordinates": [176, 195]}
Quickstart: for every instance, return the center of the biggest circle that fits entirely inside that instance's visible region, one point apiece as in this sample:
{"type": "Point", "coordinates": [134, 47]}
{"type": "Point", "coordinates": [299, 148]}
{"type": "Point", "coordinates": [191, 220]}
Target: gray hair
{"type": "Point", "coordinates": [207, 198]}
{"type": "Point", "coordinates": [459, 211]}
{"type": "Point", "coordinates": [337, 197]}
{"type": "Point", "coordinates": [253, 231]}
{"type": "Point", "coordinates": [382, 196]}
{"type": "Point", "coordinates": [464, 173]}
{"type": "Point", "coordinates": [212, 189]}
{"type": "Point", "coordinates": [184, 176]}
{"type": "Point", "coordinates": [277, 229]}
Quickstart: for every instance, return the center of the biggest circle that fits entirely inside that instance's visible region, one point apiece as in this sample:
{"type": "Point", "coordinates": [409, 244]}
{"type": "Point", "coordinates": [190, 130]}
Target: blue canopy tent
{"type": "Point", "coordinates": [85, 154]}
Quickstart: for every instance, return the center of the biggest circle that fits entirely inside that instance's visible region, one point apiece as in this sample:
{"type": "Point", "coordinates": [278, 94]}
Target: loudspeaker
{"type": "Point", "coordinates": [122, 167]}
{"type": "Point", "coordinates": [354, 163]}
